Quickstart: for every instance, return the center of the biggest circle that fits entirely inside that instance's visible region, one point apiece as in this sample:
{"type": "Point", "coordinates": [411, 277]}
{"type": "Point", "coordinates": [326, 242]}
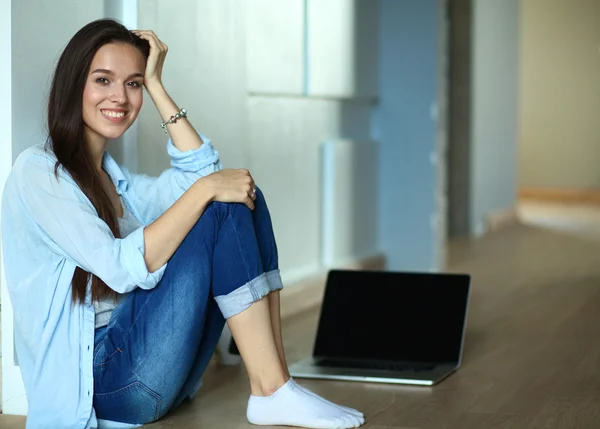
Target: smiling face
{"type": "Point", "coordinates": [112, 97]}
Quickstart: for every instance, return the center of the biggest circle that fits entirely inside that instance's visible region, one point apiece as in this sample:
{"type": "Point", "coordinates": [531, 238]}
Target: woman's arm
{"type": "Point", "coordinates": [163, 236]}
{"type": "Point", "coordinates": [68, 223]}
{"type": "Point", "coordinates": [183, 134]}
{"type": "Point", "coordinates": [153, 195]}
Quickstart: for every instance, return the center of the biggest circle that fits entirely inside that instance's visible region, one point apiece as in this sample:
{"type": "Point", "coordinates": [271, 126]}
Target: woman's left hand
{"type": "Point", "coordinates": [156, 59]}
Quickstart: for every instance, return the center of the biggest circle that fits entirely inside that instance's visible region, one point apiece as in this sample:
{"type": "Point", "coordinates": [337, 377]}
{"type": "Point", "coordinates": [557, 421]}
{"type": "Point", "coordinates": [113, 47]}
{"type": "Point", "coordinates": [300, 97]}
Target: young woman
{"type": "Point", "coordinates": [121, 283]}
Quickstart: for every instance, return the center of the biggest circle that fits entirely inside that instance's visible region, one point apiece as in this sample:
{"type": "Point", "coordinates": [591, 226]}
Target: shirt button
{"type": "Point", "coordinates": [88, 393]}
{"type": "Point", "coordinates": [88, 347]}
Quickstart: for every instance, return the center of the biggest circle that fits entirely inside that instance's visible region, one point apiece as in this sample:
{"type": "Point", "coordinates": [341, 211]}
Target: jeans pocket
{"type": "Point", "coordinates": [104, 352]}
{"type": "Point", "coordinates": [134, 403]}
{"type": "Point", "coordinates": [99, 354]}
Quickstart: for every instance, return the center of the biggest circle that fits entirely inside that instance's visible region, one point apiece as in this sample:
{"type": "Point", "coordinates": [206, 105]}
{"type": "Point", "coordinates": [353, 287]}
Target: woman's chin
{"type": "Point", "coordinates": [115, 134]}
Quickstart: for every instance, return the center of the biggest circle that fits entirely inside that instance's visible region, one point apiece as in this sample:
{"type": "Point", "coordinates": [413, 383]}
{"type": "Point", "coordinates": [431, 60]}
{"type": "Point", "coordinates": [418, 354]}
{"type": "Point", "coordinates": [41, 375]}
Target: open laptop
{"type": "Point", "coordinates": [389, 327]}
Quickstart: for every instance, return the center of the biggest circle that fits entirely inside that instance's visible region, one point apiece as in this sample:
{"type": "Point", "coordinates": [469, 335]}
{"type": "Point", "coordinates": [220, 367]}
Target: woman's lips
{"type": "Point", "coordinates": [114, 116]}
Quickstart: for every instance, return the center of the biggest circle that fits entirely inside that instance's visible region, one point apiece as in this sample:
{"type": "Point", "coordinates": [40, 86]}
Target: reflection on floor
{"type": "Point", "coordinates": [583, 221]}
{"type": "Point", "coordinates": [531, 359]}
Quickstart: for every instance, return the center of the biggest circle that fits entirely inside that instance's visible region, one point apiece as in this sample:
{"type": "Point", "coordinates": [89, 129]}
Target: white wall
{"type": "Point", "coordinates": [560, 86]}
{"type": "Point", "coordinates": [342, 48]}
{"type": "Point", "coordinates": [242, 69]}
{"type": "Point", "coordinates": [204, 72]}
{"type": "Point", "coordinates": [39, 32]}
{"type": "Point", "coordinates": [494, 125]}
{"type": "Point", "coordinates": [285, 137]}
{"type": "Point", "coordinates": [284, 54]}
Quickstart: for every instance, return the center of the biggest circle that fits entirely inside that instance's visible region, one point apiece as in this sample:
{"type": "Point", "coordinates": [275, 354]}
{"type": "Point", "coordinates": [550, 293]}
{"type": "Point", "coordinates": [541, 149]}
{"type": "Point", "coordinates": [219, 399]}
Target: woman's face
{"type": "Point", "coordinates": [112, 97]}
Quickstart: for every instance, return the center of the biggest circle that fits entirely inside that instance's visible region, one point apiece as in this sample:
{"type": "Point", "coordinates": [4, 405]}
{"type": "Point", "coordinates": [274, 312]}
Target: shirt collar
{"type": "Point", "coordinates": [115, 173]}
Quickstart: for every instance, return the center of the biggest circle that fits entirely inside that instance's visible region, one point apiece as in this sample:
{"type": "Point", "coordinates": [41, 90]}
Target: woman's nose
{"type": "Point", "coordinates": [119, 95]}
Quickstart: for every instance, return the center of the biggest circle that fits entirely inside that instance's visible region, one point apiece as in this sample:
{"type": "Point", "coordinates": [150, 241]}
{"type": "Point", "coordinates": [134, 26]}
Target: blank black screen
{"type": "Point", "coordinates": [416, 317]}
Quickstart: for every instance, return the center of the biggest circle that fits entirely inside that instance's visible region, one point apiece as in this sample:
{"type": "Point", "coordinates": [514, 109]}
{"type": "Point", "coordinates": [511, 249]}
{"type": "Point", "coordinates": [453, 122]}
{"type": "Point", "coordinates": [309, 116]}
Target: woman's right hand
{"type": "Point", "coordinates": [232, 186]}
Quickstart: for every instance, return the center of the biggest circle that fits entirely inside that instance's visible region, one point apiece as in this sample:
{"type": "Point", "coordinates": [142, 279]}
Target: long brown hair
{"type": "Point", "coordinates": [66, 129]}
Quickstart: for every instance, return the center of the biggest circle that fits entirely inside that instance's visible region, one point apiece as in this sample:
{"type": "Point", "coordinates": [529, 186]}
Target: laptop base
{"type": "Point", "coordinates": [309, 368]}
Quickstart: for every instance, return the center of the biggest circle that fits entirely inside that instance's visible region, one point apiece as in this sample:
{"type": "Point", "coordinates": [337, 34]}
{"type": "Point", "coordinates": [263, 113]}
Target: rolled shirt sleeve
{"type": "Point", "coordinates": [154, 195]}
{"type": "Point", "coordinates": [73, 229]}
{"type": "Point", "coordinates": [202, 161]}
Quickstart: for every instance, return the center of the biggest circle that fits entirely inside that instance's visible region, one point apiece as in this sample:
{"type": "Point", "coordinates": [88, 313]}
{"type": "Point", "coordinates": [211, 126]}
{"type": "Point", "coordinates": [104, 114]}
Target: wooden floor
{"type": "Point", "coordinates": [531, 358]}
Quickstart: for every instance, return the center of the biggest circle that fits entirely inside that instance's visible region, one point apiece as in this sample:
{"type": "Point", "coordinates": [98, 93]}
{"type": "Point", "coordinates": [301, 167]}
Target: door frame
{"type": "Point", "coordinates": [14, 400]}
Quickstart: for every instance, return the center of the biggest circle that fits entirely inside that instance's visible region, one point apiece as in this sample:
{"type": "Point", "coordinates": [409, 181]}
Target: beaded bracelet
{"type": "Point", "coordinates": [181, 114]}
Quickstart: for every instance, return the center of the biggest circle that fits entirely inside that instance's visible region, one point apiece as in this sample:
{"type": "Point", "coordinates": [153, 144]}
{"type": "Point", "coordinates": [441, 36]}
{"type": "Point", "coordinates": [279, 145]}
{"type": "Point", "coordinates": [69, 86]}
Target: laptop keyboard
{"type": "Point", "coordinates": [382, 366]}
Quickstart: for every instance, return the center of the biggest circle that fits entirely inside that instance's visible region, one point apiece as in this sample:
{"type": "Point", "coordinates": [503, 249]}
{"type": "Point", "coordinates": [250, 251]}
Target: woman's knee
{"type": "Point", "coordinates": [216, 216]}
{"type": "Point", "coordinates": [218, 210]}
{"type": "Point", "coordinates": [210, 218]}
{"type": "Point", "coordinates": [260, 196]}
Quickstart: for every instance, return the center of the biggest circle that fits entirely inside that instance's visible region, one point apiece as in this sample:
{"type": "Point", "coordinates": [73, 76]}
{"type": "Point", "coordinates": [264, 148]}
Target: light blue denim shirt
{"type": "Point", "coordinates": [49, 227]}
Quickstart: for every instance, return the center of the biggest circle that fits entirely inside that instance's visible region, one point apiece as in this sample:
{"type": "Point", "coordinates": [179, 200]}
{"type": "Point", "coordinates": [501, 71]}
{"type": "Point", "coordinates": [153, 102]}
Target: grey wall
{"type": "Point", "coordinates": [494, 101]}
{"type": "Point", "coordinates": [406, 131]}
{"type": "Point", "coordinates": [34, 57]}
{"type": "Point", "coordinates": [484, 110]}
{"type": "Point", "coordinates": [459, 147]}
{"type": "Point", "coordinates": [125, 149]}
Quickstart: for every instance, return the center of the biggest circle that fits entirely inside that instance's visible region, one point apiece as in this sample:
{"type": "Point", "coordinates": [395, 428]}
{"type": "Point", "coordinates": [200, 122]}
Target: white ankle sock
{"type": "Point", "coordinates": [346, 409]}
{"type": "Point", "coordinates": [291, 406]}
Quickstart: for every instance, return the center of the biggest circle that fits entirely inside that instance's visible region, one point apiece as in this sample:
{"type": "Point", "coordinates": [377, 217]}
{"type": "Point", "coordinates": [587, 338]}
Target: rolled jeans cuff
{"type": "Point", "coordinates": [274, 279]}
{"type": "Point", "coordinates": [243, 297]}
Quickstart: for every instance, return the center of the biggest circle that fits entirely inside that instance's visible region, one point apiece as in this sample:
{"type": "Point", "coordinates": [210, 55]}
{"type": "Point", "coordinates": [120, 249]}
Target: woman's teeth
{"type": "Point", "coordinates": [113, 114]}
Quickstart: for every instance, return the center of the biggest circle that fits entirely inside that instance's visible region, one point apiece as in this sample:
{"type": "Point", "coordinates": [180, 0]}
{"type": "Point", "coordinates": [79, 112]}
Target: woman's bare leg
{"type": "Point", "coordinates": [275, 312]}
{"type": "Point", "coordinates": [275, 399]}
{"type": "Point", "coordinates": [253, 334]}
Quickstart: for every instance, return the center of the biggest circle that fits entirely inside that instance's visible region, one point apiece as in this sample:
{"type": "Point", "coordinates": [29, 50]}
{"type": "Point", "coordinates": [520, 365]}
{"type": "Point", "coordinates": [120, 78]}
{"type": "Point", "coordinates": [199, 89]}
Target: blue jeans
{"type": "Point", "coordinates": [158, 343]}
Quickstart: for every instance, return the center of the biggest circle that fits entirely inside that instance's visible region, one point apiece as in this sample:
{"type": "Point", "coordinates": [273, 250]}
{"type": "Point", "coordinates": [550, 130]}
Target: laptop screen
{"type": "Point", "coordinates": [415, 317]}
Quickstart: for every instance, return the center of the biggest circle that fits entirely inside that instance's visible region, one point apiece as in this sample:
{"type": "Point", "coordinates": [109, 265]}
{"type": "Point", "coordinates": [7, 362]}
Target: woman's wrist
{"type": "Point", "coordinates": [154, 88]}
{"type": "Point", "coordinates": [153, 84]}
{"type": "Point", "coordinates": [205, 193]}
{"type": "Point", "coordinates": [182, 133]}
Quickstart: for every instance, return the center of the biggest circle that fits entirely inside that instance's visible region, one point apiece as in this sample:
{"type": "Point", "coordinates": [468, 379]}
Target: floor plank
{"type": "Point", "coordinates": [569, 413]}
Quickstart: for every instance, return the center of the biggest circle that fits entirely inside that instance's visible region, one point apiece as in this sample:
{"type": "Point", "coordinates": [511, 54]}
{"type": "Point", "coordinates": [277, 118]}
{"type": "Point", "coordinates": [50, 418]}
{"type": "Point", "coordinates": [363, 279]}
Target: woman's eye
{"type": "Point", "coordinates": [135, 84]}
{"type": "Point", "coordinates": [102, 80]}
